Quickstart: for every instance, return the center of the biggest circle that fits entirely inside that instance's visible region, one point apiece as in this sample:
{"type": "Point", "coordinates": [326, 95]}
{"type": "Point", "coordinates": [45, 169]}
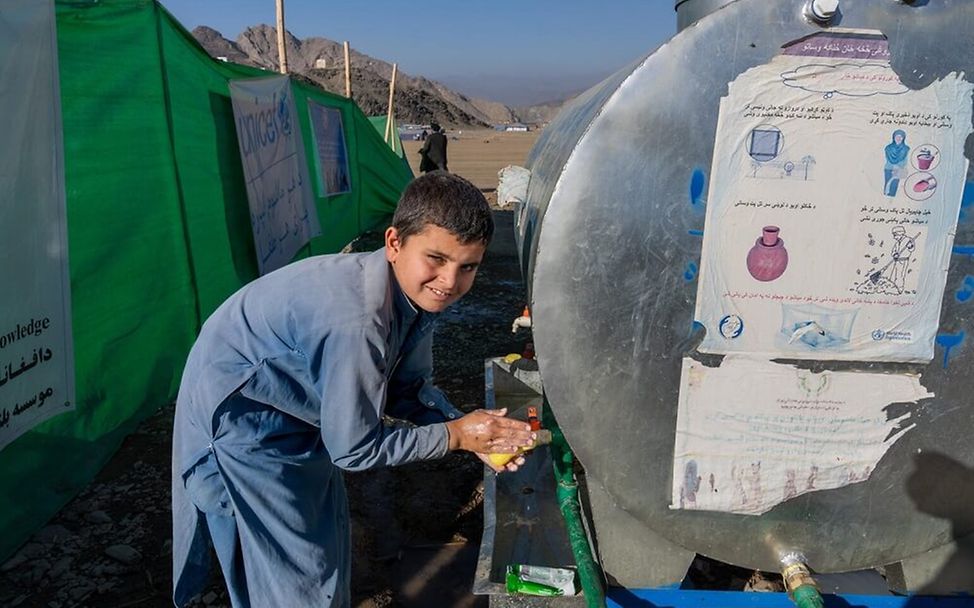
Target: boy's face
{"type": "Point", "coordinates": [433, 268]}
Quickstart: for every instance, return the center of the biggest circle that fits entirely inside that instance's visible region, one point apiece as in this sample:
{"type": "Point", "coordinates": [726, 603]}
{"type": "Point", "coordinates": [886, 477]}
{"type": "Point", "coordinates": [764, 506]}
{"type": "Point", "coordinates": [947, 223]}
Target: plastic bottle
{"type": "Point", "coordinates": [540, 580]}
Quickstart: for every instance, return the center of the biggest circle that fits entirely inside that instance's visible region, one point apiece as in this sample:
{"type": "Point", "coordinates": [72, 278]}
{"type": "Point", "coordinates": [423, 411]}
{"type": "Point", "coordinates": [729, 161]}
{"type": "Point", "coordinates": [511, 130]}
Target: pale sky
{"type": "Point", "coordinates": [514, 51]}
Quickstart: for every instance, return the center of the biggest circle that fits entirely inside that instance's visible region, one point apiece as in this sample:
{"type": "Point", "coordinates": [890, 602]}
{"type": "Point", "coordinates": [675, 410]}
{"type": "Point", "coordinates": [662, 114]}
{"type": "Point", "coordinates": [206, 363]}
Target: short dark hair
{"type": "Point", "coordinates": [445, 200]}
{"type": "Point", "coordinates": [435, 127]}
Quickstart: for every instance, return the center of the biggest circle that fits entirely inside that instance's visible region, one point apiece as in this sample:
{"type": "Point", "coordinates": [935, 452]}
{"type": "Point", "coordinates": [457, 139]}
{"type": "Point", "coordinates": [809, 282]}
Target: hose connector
{"type": "Point", "coordinates": [799, 583]}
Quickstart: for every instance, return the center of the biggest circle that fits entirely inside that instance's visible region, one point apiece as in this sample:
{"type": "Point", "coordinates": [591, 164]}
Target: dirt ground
{"type": "Point", "coordinates": [415, 529]}
{"type": "Point", "coordinates": [478, 155]}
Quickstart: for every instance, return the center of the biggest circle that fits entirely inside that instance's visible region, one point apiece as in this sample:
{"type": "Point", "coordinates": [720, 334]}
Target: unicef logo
{"type": "Point", "coordinates": [284, 115]}
{"type": "Point", "coordinates": [878, 335]}
{"type": "Point", "coordinates": [731, 326]}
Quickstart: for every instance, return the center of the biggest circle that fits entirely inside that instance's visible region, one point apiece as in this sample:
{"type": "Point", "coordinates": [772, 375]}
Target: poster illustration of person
{"type": "Point", "coordinates": [896, 154]}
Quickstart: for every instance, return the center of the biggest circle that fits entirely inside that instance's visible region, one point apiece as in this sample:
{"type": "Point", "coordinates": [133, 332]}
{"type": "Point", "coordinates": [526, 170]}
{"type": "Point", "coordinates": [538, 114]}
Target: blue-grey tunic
{"type": "Point", "coordinates": [288, 382]}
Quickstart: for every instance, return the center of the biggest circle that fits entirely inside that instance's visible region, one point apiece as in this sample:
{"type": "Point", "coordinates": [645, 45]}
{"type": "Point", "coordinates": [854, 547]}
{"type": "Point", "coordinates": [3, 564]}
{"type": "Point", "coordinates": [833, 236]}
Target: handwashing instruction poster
{"type": "Point", "coordinates": [833, 200]}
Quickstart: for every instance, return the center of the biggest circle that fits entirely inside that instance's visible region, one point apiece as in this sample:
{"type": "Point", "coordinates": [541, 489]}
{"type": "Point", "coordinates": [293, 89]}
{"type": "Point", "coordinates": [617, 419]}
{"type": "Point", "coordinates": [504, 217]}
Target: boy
{"type": "Point", "coordinates": [287, 384]}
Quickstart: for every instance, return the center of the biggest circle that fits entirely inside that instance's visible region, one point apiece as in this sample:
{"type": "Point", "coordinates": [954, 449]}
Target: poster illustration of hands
{"type": "Point", "coordinates": [833, 200]}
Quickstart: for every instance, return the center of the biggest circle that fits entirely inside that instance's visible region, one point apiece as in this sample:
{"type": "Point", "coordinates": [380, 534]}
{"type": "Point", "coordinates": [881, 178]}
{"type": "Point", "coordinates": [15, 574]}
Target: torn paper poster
{"type": "Point", "coordinates": [791, 432]}
{"type": "Point", "coordinates": [834, 197]}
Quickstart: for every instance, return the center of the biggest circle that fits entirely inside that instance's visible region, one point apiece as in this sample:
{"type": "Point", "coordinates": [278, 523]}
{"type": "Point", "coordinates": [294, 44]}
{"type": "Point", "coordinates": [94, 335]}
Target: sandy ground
{"type": "Point", "coordinates": [479, 155]}
{"type": "Point", "coordinates": [415, 529]}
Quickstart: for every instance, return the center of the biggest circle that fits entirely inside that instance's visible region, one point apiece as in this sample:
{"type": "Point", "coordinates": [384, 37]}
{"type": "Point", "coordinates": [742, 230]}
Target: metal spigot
{"type": "Point", "coordinates": [523, 321]}
{"type": "Point", "coordinates": [799, 583]}
{"type": "Point", "coordinates": [821, 11]}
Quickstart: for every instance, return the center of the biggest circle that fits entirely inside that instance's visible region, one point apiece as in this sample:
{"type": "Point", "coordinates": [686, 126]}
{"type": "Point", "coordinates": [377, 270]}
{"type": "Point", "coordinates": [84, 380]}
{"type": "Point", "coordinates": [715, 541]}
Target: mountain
{"type": "Point", "coordinates": [322, 61]}
{"type": "Point", "coordinates": [541, 113]}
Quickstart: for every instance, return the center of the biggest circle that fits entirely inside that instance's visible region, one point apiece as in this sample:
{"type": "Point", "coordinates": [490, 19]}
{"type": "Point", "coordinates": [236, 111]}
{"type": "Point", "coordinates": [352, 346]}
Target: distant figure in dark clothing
{"type": "Point", "coordinates": [433, 153]}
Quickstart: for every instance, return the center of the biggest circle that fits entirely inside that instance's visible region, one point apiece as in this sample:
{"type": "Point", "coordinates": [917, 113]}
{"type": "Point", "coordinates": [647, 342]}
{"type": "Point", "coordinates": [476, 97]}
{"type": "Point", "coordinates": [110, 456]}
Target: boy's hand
{"type": "Point", "coordinates": [509, 467]}
{"type": "Point", "coordinates": [489, 432]}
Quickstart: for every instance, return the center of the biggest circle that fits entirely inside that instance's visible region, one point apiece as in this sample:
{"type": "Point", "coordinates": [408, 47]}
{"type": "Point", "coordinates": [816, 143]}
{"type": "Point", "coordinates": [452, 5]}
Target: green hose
{"type": "Point", "coordinates": [807, 596]}
{"type": "Point", "coordinates": [589, 573]}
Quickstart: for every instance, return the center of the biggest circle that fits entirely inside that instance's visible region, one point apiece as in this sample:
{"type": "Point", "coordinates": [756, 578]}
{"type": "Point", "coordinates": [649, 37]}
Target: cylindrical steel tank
{"type": "Point", "coordinates": [689, 12]}
{"type": "Point", "coordinates": [609, 237]}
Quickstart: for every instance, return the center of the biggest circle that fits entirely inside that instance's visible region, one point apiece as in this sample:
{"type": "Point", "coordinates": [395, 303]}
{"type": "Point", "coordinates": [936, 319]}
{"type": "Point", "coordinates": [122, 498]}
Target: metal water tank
{"type": "Point", "coordinates": [610, 242]}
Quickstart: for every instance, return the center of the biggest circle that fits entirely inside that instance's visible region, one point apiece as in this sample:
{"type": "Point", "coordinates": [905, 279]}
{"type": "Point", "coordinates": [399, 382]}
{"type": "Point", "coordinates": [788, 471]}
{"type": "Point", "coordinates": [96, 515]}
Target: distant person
{"type": "Point", "coordinates": [424, 135]}
{"type": "Point", "coordinates": [433, 153]}
{"type": "Point", "coordinates": [288, 385]}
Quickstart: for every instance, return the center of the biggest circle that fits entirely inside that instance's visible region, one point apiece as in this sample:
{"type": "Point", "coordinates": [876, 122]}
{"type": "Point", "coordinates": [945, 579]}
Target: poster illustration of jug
{"type": "Point", "coordinates": [768, 258]}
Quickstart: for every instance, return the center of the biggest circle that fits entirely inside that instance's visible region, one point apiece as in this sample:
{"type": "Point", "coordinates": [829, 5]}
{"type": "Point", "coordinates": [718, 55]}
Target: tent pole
{"type": "Point", "coordinates": [392, 92]}
{"type": "Point", "coordinates": [281, 51]}
{"type": "Point", "coordinates": [348, 73]}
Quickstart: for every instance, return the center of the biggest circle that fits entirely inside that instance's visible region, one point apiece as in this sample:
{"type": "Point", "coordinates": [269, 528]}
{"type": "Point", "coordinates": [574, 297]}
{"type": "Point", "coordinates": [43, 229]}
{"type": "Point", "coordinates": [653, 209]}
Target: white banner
{"type": "Point", "coordinates": [282, 209]}
{"type": "Point", "coordinates": [833, 201]}
{"type": "Point", "coordinates": [36, 351]}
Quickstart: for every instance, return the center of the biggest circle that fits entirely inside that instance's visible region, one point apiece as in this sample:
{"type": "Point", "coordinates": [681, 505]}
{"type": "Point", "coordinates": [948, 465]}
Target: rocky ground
{"type": "Point", "coordinates": [415, 529]}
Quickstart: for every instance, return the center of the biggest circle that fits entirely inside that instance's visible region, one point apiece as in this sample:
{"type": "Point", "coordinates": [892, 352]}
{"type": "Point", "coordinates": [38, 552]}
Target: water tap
{"type": "Point", "coordinates": [523, 321]}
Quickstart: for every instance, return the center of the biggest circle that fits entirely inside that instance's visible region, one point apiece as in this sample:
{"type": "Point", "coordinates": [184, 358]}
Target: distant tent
{"type": "Point", "coordinates": [158, 228]}
{"type": "Point", "coordinates": [379, 123]}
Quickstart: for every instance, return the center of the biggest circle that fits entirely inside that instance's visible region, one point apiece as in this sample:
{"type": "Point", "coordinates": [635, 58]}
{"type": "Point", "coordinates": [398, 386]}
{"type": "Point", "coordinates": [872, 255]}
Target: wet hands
{"type": "Point", "coordinates": [489, 432]}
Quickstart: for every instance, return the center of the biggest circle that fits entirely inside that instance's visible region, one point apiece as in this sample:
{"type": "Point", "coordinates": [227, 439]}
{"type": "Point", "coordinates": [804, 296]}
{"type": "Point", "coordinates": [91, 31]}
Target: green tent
{"type": "Point", "coordinates": [158, 228]}
{"type": "Point", "coordinates": [379, 123]}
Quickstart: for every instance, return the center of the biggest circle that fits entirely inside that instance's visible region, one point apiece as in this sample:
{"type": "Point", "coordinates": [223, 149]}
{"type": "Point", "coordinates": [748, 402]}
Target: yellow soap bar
{"type": "Point", "coordinates": [499, 460]}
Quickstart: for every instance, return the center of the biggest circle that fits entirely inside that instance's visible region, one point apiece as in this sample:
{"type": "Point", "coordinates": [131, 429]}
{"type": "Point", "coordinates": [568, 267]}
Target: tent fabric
{"type": "Point", "coordinates": [158, 229]}
{"type": "Point", "coordinates": [379, 123]}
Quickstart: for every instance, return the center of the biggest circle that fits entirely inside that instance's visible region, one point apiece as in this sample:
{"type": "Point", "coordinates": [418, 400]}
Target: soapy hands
{"type": "Point", "coordinates": [490, 432]}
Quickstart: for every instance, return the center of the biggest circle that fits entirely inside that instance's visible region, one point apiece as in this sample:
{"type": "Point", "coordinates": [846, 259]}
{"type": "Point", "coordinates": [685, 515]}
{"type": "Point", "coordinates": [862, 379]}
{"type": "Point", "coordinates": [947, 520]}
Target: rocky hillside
{"type": "Point", "coordinates": [418, 100]}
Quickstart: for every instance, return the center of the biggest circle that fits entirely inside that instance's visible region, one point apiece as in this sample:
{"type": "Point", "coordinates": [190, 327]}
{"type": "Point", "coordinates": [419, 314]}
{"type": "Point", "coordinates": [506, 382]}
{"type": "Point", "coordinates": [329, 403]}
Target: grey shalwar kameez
{"type": "Point", "coordinates": [287, 383]}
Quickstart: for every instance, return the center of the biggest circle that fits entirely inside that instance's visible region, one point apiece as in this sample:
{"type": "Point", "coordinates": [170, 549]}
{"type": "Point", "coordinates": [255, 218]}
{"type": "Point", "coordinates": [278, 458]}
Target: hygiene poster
{"type": "Point", "coordinates": [282, 210]}
{"type": "Point", "coordinates": [332, 154]}
{"type": "Point", "coordinates": [794, 432]}
{"type": "Point", "coordinates": [36, 347]}
{"type": "Point", "coordinates": [833, 201]}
